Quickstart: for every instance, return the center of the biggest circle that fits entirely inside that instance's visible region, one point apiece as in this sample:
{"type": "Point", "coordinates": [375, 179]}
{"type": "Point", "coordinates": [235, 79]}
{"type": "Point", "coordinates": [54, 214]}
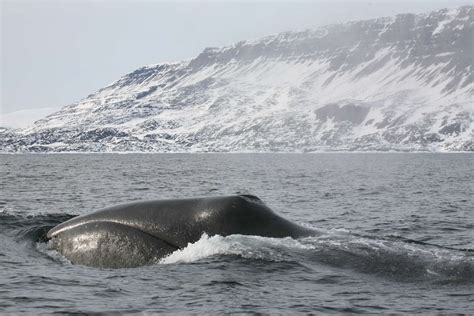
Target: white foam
{"type": "Point", "coordinates": [254, 247]}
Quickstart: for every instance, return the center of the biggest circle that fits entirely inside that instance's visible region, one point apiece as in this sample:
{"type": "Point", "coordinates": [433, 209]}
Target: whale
{"type": "Point", "coordinates": [144, 232]}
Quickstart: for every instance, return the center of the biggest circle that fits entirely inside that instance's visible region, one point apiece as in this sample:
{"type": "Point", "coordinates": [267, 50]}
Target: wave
{"type": "Point", "coordinates": [29, 227]}
{"type": "Point", "coordinates": [390, 257]}
{"type": "Point", "coordinates": [395, 259]}
{"type": "Point", "coordinates": [249, 247]}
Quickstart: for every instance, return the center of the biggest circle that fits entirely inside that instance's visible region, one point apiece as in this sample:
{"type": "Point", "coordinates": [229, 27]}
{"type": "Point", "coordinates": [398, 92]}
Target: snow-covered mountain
{"type": "Point", "coordinates": [398, 83]}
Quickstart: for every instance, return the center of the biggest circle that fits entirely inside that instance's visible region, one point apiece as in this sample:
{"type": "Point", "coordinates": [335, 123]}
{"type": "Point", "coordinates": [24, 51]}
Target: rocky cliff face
{"type": "Point", "coordinates": [402, 83]}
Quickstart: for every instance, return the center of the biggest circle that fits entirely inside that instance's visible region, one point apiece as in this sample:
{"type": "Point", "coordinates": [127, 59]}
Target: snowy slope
{"type": "Point", "coordinates": [401, 83]}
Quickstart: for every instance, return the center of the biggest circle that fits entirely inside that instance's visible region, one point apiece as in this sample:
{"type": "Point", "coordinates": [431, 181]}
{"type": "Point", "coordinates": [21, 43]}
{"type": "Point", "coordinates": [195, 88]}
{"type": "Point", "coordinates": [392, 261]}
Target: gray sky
{"type": "Point", "coordinates": [55, 52]}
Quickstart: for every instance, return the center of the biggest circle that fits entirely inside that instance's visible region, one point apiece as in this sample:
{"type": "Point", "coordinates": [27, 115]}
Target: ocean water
{"type": "Point", "coordinates": [396, 234]}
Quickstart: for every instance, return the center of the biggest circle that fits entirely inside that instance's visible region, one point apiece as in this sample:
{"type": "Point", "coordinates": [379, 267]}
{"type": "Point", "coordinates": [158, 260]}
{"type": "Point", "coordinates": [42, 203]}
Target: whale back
{"type": "Point", "coordinates": [166, 225]}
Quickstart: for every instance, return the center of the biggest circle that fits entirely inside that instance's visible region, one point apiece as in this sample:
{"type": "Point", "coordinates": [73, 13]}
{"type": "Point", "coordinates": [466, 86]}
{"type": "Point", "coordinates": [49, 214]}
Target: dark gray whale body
{"type": "Point", "coordinates": [140, 233]}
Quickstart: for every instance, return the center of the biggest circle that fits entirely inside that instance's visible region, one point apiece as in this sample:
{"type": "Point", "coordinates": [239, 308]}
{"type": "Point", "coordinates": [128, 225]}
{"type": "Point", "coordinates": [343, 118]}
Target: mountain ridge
{"type": "Point", "coordinates": [402, 83]}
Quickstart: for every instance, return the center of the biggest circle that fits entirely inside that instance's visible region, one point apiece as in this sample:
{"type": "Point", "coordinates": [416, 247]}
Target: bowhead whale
{"type": "Point", "coordinates": [141, 233]}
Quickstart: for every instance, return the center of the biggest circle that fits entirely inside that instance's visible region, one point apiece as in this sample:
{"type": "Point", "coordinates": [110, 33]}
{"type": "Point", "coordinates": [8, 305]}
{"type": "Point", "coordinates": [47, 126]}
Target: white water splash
{"type": "Point", "coordinates": [254, 247]}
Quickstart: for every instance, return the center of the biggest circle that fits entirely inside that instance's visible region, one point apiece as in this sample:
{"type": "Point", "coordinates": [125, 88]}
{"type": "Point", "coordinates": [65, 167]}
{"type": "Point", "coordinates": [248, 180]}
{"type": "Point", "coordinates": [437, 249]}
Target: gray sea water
{"type": "Point", "coordinates": [396, 234]}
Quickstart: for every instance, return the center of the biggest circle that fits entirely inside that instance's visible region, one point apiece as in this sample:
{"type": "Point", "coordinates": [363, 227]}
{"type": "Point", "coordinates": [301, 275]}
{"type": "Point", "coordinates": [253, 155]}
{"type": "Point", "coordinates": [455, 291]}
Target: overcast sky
{"type": "Point", "coordinates": [55, 52]}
